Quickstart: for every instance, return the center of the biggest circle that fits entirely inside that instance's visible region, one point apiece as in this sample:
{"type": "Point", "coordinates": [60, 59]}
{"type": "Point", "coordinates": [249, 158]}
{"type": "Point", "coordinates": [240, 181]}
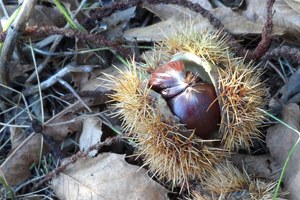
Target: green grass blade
{"type": "Point", "coordinates": [289, 155]}
{"type": "Point", "coordinates": [67, 16]}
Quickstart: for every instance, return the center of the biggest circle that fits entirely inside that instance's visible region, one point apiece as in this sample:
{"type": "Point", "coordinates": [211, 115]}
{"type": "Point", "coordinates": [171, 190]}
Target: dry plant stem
{"type": "Point", "coordinates": [12, 37]}
{"type": "Point", "coordinates": [75, 157]}
{"type": "Point", "coordinates": [290, 53]}
{"type": "Point", "coordinates": [266, 39]}
{"type": "Point", "coordinates": [71, 89]}
{"type": "Point", "coordinates": [52, 30]}
{"type": "Point", "coordinates": [238, 48]}
{"type": "Point", "coordinates": [54, 45]}
{"type": "Point", "coordinates": [53, 79]}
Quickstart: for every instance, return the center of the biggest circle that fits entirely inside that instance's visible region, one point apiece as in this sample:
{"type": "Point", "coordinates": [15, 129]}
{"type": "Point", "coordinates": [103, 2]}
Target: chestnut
{"type": "Point", "coordinates": [192, 100]}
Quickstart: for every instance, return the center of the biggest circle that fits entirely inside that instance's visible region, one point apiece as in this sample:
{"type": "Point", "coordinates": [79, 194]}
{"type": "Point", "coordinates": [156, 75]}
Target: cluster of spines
{"type": "Point", "coordinates": [240, 91]}
{"type": "Point", "coordinates": [178, 157]}
{"type": "Point", "coordinates": [241, 95]}
{"type": "Point", "coordinates": [230, 183]}
{"type": "Point", "coordinates": [170, 151]}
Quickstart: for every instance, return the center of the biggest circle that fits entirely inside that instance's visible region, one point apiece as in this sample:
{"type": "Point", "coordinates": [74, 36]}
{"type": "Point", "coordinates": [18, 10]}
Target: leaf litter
{"type": "Point", "coordinates": [108, 175]}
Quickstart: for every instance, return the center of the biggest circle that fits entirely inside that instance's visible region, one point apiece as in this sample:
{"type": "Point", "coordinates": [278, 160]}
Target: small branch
{"type": "Point", "coordinates": [70, 88]}
{"type": "Point", "coordinates": [12, 36]}
{"type": "Point", "coordinates": [53, 79]}
{"type": "Point", "coordinates": [52, 30]}
{"type": "Point", "coordinates": [266, 38]}
{"type": "Point", "coordinates": [55, 43]}
{"type": "Point", "coordinates": [76, 157]}
{"type": "Point", "coordinates": [290, 53]}
{"type": "Point", "coordinates": [215, 22]}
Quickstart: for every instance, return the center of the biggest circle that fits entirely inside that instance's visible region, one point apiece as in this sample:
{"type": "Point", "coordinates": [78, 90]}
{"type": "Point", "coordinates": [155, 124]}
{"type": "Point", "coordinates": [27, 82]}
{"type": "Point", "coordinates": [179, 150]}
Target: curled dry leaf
{"type": "Point", "coordinates": [15, 168]}
{"type": "Point", "coordinates": [280, 139]}
{"type": "Point", "coordinates": [91, 134]}
{"type": "Point", "coordinates": [107, 176]}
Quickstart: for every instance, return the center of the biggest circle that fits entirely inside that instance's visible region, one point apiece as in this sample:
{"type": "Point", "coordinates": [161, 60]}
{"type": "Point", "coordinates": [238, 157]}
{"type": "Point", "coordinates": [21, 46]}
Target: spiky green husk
{"type": "Point", "coordinates": [171, 152]}
{"type": "Point", "coordinates": [241, 94]}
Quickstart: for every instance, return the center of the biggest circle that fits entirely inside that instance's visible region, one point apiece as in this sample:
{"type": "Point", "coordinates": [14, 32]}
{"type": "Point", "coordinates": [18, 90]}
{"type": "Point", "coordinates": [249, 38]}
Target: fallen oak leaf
{"type": "Point", "coordinates": [106, 176]}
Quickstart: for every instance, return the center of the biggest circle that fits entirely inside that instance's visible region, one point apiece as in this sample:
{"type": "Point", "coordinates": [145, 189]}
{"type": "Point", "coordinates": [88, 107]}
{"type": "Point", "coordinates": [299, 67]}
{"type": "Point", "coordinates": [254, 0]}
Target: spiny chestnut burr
{"type": "Point", "coordinates": [193, 101]}
{"type": "Point", "coordinates": [145, 104]}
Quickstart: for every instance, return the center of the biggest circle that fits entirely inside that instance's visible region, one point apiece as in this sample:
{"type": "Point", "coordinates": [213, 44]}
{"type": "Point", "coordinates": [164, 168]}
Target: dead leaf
{"type": "Point", "coordinates": [295, 5]}
{"type": "Point", "coordinates": [107, 176]}
{"type": "Point", "coordinates": [62, 124]}
{"type": "Point", "coordinates": [116, 23]}
{"type": "Point", "coordinates": [255, 165]}
{"type": "Point", "coordinates": [17, 136]}
{"type": "Point", "coordinates": [15, 168]}
{"type": "Point", "coordinates": [280, 140]}
{"type": "Point", "coordinates": [91, 134]}
{"type": "Point", "coordinates": [99, 83]}
{"type": "Point", "coordinates": [291, 89]}
{"type": "Point", "coordinates": [176, 17]}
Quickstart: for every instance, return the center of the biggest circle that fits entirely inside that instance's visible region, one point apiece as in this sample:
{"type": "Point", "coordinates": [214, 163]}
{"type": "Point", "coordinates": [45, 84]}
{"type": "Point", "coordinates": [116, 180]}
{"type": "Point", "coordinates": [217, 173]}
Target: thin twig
{"type": "Point", "coordinates": [53, 79]}
{"type": "Point", "coordinates": [75, 157]}
{"type": "Point", "coordinates": [55, 43]}
{"type": "Point", "coordinates": [290, 53]}
{"type": "Point", "coordinates": [11, 39]}
{"type": "Point", "coordinates": [99, 39]}
{"type": "Point", "coordinates": [266, 38]}
{"type": "Point", "coordinates": [237, 47]}
{"type": "Point", "coordinates": [70, 88]}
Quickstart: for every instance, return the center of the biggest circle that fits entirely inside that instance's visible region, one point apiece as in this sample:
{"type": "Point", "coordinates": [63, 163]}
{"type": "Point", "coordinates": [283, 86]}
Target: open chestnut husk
{"type": "Point", "coordinates": [192, 100]}
{"type": "Point", "coordinates": [220, 93]}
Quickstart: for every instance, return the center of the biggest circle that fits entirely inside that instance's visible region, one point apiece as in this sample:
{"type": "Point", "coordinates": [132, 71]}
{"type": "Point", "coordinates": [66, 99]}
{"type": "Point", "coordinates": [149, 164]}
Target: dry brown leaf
{"type": "Point", "coordinates": [255, 165]}
{"type": "Point", "coordinates": [17, 136]}
{"type": "Point", "coordinates": [280, 140]}
{"type": "Point", "coordinates": [15, 168]}
{"type": "Point", "coordinates": [91, 134]}
{"type": "Point", "coordinates": [62, 124]}
{"type": "Point", "coordinates": [116, 23]}
{"type": "Point", "coordinates": [98, 83]}
{"type": "Point", "coordinates": [80, 78]}
{"type": "Point", "coordinates": [294, 4]}
{"type": "Point", "coordinates": [175, 17]}
{"type": "Point", "coordinates": [107, 176]}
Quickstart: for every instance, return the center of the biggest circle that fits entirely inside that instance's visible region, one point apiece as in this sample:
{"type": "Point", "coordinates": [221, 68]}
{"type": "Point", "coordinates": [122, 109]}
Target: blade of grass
{"type": "Point", "coordinates": [289, 155]}
{"type": "Point", "coordinates": [8, 188]}
{"type": "Point", "coordinates": [67, 16]}
{"type": "Point", "coordinates": [38, 81]}
{"type": "Point", "coordinates": [9, 22]}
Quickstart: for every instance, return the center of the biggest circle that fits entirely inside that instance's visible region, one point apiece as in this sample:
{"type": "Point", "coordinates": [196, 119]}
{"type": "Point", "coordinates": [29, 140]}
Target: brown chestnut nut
{"type": "Point", "coordinates": [192, 101]}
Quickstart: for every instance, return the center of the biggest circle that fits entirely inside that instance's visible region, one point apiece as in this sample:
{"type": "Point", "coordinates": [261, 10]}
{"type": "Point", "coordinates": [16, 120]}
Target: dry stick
{"type": "Point", "coordinates": [11, 39]}
{"type": "Point", "coordinates": [53, 79]}
{"type": "Point", "coordinates": [266, 39]}
{"type": "Point", "coordinates": [284, 51]}
{"type": "Point", "coordinates": [238, 48]}
{"type": "Point", "coordinates": [75, 157]}
{"type": "Point", "coordinates": [54, 45]}
{"type": "Point", "coordinates": [52, 30]}
{"type": "Point", "coordinates": [71, 89]}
